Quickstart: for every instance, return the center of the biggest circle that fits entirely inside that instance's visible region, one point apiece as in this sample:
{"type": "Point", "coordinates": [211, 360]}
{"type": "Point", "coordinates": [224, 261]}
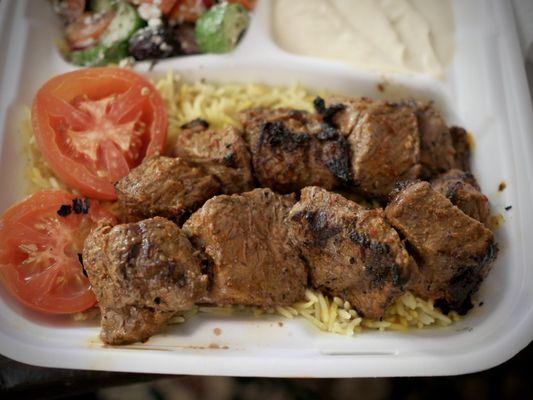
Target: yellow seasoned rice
{"type": "Point", "coordinates": [220, 105]}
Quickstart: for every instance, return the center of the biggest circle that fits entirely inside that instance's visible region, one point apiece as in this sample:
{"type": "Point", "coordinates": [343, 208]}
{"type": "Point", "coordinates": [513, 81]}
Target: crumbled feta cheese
{"type": "Point", "coordinates": [127, 62]}
{"type": "Point", "coordinates": [148, 11]}
{"type": "Point", "coordinates": [165, 47]}
{"type": "Point", "coordinates": [153, 22]}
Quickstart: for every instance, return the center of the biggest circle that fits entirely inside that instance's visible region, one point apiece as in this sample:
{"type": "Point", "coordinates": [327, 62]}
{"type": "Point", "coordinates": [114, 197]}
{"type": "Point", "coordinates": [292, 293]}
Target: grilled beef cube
{"type": "Point", "coordinates": [342, 112]}
{"type": "Point", "coordinates": [462, 148]}
{"type": "Point", "coordinates": [437, 153]}
{"type": "Point", "coordinates": [454, 252]}
{"type": "Point", "coordinates": [142, 274]}
{"type": "Point", "coordinates": [166, 187]}
{"type": "Point", "coordinates": [463, 191]}
{"type": "Point", "coordinates": [222, 153]}
{"type": "Point", "coordinates": [351, 252]}
{"type": "Point", "coordinates": [245, 239]}
{"type": "Point", "coordinates": [384, 143]}
{"type": "Point", "coordinates": [292, 149]}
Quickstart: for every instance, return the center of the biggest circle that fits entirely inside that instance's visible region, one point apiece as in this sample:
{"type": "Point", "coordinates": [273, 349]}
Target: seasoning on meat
{"type": "Point", "coordinates": [454, 252]}
{"type": "Point", "coordinates": [461, 145]}
{"type": "Point", "coordinates": [245, 238]}
{"type": "Point", "coordinates": [292, 149]}
{"type": "Point", "coordinates": [327, 113]}
{"type": "Point", "coordinates": [81, 206]}
{"type": "Point", "coordinates": [384, 143]}
{"type": "Point", "coordinates": [462, 189]}
{"type": "Point", "coordinates": [222, 153]}
{"type": "Point", "coordinates": [437, 153]}
{"type": "Point", "coordinates": [65, 210]}
{"type": "Point", "coordinates": [142, 274]}
{"type": "Point", "coordinates": [166, 187]}
{"type": "Point", "coordinates": [345, 117]}
{"type": "Point", "coordinates": [351, 252]}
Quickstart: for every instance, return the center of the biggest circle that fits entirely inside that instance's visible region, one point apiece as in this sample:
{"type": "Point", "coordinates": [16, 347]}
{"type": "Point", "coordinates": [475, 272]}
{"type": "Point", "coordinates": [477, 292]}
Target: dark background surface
{"type": "Point", "coordinates": [511, 380]}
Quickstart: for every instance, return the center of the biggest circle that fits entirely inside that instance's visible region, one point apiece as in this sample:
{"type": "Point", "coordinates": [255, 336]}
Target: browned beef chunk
{"type": "Point", "coordinates": [454, 252]}
{"type": "Point", "coordinates": [342, 112]}
{"type": "Point", "coordinates": [437, 153]}
{"type": "Point", "coordinates": [167, 187]}
{"type": "Point", "coordinates": [351, 252]}
{"type": "Point", "coordinates": [292, 149]}
{"type": "Point", "coordinates": [142, 274]}
{"type": "Point", "coordinates": [463, 191]}
{"type": "Point", "coordinates": [384, 142]}
{"type": "Point", "coordinates": [462, 148]}
{"type": "Point", "coordinates": [222, 153]}
{"type": "Point", "coordinates": [245, 238]}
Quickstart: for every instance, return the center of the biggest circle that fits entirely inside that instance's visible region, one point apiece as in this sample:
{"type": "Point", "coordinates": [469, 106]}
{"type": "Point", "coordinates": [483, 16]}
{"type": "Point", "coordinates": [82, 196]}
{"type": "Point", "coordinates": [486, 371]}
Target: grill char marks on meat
{"type": "Point", "coordinates": [384, 143]}
{"type": "Point", "coordinates": [142, 274]}
{"type": "Point", "coordinates": [245, 238]}
{"type": "Point", "coordinates": [344, 112]}
{"type": "Point", "coordinates": [437, 153]}
{"type": "Point", "coordinates": [223, 153]}
{"type": "Point", "coordinates": [292, 149]}
{"type": "Point", "coordinates": [462, 190]}
{"type": "Point", "coordinates": [167, 187]}
{"type": "Point", "coordinates": [454, 252]}
{"type": "Point", "coordinates": [351, 252]}
{"type": "Point", "coordinates": [329, 112]}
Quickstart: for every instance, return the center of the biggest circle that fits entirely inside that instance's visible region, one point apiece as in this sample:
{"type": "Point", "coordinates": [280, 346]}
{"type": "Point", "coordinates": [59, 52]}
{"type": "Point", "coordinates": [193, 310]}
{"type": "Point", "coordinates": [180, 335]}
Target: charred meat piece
{"type": "Point", "coordinates": [245, 238]}
{"type": "Point", "coordinates": [384, 143]}
{"type": "Point", "coordinates": [142, 274]}
{"type": "Point", "coordinates": [292, 149]}
{"type": "Point", "coordinates": [351, 252]}
{"type": "Point", "coordinates": [462, 148]}
{"type": "Point", "coordinates": [222, 153]}
{"type": "Point", "coordinates": [463, 191]}
{"type": "Point", "coordinates": [167, 187]}
{"type": "Point", "coordinates": [454, 252]}
{"type": "Point", "coordinates": [341, 112]}
{"type": "Point", "coordinates": [437, 153]}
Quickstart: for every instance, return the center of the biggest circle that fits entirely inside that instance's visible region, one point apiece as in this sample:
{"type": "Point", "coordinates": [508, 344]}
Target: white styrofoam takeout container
{"type": "Point", "coordinates": [485, 91]}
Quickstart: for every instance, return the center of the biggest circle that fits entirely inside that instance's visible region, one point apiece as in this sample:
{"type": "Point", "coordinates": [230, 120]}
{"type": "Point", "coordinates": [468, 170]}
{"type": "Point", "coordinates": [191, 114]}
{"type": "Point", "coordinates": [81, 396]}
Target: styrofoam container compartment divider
{"type": "Point", "coordinates": [485, 91]}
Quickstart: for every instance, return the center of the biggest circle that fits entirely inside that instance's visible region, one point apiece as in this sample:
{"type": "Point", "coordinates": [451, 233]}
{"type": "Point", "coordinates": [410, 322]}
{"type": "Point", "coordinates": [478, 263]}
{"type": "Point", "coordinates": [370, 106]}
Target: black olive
{"type": "Point", "coordinates": [153, 42]}
{"type": "Point", "coordinates": [185, 36]}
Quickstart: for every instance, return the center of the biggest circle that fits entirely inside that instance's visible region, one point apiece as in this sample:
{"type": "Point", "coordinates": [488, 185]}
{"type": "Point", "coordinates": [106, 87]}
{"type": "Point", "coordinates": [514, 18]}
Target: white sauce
{"type": "Point", "coordinates": [406, 36]}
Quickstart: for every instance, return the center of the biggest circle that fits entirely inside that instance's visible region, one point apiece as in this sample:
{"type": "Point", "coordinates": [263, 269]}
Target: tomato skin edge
{"type": "Point", "coordinates": [41, 308]}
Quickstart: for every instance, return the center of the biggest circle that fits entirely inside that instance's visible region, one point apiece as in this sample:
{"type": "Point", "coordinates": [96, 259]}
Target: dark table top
{"type": "Point", "coordinates": [511, 380]}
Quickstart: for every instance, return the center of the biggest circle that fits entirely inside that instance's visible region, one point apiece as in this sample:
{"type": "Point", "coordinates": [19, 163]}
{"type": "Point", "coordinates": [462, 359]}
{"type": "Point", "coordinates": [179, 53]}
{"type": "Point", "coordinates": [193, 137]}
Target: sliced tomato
{"type": "Point", "coordinates": [248, 4]}
{"type": "Point", "coordinates": [40, 251]}
{"type": "Point", "coordinates": [187, 11]}
{"type": "Point", "coordinates": [164, 5]}
{"type": "Point", "coordinates": [93, 125]}
{"type": "Point", "coordinates": [86, 30]}
{"type": "Point", "coordinates": [69, 10]}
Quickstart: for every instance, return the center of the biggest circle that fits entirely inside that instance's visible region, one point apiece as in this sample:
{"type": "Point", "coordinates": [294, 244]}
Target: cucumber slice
{"type": "Point", "coordinates": [103, 5]}
{"type": "Point", "coordinates": [219, 29]}
{"type": "Point", "coordinates": [125, 23]}
{"type": "Point", "coordinates": [100, 55]}
{"type": "Point", "coordinates": [89, 57]}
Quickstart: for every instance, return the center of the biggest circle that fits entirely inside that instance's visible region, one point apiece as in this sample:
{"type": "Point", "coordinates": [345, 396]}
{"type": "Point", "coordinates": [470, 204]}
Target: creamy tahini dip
{"type": "Point", "coordinates": [407, 36]}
